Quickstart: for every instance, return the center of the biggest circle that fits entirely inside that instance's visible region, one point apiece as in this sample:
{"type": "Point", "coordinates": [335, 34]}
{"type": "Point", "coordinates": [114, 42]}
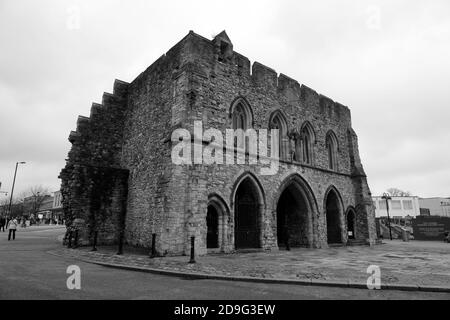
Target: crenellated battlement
{"type": "Point", "coordinates": [294, 91]}
{"type": "Point", "coordinates": [112, 105]}
{"type": "Point", "coordinates": [82, 124]}
{"type": "Point", "coordinates": [193, 55]}
{"type": "Point", "coordinates": [120, 88]}
{"type": "Point", "coordinates": [243, 64]}
{"type": "Point", "coordinates": [95, 109]}
{"type": "Point", "coordinates": [263, 76]}
{"type": "Point", "coordinates": [289, 87]}
{"type": "Point", "coordinates": [333, 109]}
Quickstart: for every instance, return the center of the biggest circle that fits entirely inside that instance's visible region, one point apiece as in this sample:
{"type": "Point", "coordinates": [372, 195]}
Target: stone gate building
{"type": "Point", "coordinates": [120, 180]}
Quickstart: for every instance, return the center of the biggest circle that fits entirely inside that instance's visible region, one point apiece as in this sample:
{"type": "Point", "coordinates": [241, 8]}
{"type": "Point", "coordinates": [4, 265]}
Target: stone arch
{"type": "Point", "coordinates": [217, 198]}
{"type": "Point", "coordinates": [241, 108]}
{"type": "Point", "coordinates": [332, 146]}
{"type": "Point", "coordinates": [277, 120]}
{"type": "Point", "coordinates": [281, 115]}
{"type": "Point", "coordinates": [295, 177]}
{"type": "Point", "coordinates": [243, 175]}
{"type": "Point", "coordinates": [295, 202]}
{"type": "Point", "coordinates": [307, 126]}
{"type": "Point", "coordinates": [249, 206]}
{"type": "Point", "coordinates": [333, 208]}
{"type": "Point", "coordinates": [217, 223]}
{"type": "Point", "coordinates": [350, 220]}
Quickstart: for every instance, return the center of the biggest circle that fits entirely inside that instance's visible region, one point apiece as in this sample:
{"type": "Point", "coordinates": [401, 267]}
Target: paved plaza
{"type": "Point", "coordinates": [421, 264]}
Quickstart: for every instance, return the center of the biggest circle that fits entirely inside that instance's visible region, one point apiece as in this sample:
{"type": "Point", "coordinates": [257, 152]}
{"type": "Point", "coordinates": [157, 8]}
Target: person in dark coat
{"type": "Point", "coordinates": [2, 223]}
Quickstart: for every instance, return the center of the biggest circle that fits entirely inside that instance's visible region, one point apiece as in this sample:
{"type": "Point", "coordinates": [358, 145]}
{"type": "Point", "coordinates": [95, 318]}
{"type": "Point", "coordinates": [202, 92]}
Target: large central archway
{"type": "Point", "coordinates": [247, 215]}
{"type": "Point", "coordinates": [333, 213]}
{"type": "Point", "coordinates": [292, 218]}
{"type": "Point", "coordinates": [295, 209]}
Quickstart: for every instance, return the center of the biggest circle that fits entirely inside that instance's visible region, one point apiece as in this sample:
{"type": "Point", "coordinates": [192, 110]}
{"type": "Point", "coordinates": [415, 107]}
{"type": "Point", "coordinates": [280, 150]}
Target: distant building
{"type": "Point", "coordinates": [437, 206]}
{"type": "Point", "coordinates": [57, 208]}
{"type": "Point", "coordinates": [399, 207]}
{"type": "Point", "coordinates": [31, 205]}
{"type": "Point", "coordinates": [46, 208]}
{"type": "Point", "coordinates": [57, 200]}
{"type": "Point", "coordinates": [44, 211]}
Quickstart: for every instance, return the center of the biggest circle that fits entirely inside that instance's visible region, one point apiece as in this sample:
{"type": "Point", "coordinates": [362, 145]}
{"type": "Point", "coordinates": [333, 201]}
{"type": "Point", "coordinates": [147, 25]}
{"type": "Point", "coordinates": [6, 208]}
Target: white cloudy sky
{"type": "Point", "coordinates": [389, 61]}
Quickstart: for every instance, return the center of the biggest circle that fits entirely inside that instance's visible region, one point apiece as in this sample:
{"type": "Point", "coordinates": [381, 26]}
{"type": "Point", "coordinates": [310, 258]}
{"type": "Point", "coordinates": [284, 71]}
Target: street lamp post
{"type": "Point", "coordinates": [387, 198]}
{"type": "Point", "coordinates": [12, 190]}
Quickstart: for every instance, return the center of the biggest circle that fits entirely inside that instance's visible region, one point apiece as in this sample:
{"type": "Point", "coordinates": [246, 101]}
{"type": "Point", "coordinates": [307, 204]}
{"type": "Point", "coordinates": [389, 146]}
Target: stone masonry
{"type": "Point", "coordinates": [120, 179]}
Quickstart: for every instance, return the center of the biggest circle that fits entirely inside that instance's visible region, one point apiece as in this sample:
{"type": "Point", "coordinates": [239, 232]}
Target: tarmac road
{"type": "Point", "coordinates": [27, 271]}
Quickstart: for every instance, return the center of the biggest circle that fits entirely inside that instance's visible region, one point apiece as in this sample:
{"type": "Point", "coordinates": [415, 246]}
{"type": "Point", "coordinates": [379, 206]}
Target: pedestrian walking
{"type": "Point", "coordinates": [12, 226]}
{"type": "Point", "coordinates": [2, 223]}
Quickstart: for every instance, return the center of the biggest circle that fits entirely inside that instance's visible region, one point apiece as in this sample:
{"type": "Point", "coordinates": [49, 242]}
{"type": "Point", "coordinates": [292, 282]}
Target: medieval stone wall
{"type": "Point", "coordinates": [94, 187]}
{"type": "Point", "coordinates": [197, 80]}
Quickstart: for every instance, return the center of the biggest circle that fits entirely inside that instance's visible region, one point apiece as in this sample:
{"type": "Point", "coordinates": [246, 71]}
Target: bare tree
{"type": "Point", "coordinates": [16, 207]}
{"type": "Point", "coordinates": [33, 198]}
{"type": "Point", "coordinates": [4, 203]}
{"type": "Point", "coordinates": [395, 192]}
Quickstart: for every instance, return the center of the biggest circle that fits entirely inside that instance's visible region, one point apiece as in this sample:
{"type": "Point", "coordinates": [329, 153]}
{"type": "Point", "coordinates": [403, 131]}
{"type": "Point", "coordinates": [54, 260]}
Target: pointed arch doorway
{"type": "Point", "coordinates": [333, 215]}
{"type": "Point", "coordinates": [247, 215]}
{"type": "Point", "coordinates": [217, 219]}
{"type": "Point", "coordinates": [212, 225]}
{"type": "Point", "coordinates": [294, 210]}
{"type": "Point", "coordinates": [351, 224]}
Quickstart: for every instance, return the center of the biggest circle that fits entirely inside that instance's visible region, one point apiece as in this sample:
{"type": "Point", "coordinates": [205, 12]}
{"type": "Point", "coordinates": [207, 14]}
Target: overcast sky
{"type": "Point", "coordinates": [389, 61]}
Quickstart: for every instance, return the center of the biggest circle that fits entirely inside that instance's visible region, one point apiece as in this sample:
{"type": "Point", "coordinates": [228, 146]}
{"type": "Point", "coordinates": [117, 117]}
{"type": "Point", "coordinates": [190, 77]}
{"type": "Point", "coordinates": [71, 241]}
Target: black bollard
{"type": "Point", "coordinates": [94, 247]}
{"type": "Point", "coordinates": [69, 242]}
{"type": "Point", "coordinates": [75, 243]}
{"type": "Point", "coordinates": [120, 251]}
{"type": "Point", "coordinates": [153, 254]}
{"type": "Point", "coordinates": [192, 250]}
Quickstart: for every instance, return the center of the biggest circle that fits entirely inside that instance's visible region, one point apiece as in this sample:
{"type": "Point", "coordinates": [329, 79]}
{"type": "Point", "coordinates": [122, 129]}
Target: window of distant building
{"type": "Point", "coordinates": [396, 204]}
{"type": "Point", "coordinates": [407, 204]}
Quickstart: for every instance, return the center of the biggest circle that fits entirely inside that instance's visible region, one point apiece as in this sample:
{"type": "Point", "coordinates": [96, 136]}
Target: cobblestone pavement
{"type": "Point", "coordinates": [401, 263]}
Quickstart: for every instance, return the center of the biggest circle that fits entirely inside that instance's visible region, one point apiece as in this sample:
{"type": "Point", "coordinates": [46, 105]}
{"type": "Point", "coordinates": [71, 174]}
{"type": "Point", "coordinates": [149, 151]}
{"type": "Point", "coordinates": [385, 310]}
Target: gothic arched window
{"type": "Point", "coordinates": [332, 149]}
{"type": "Point", "coordinates": [239, 121]}
{"type": "Point", "coordinates": [278, 121]}
{"type": "Point", "coordinates": [241, 115]}
{"type": "Point", "coordinates": [242, 118]}
{"type": "Point", "coordinates": [307, 140]}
